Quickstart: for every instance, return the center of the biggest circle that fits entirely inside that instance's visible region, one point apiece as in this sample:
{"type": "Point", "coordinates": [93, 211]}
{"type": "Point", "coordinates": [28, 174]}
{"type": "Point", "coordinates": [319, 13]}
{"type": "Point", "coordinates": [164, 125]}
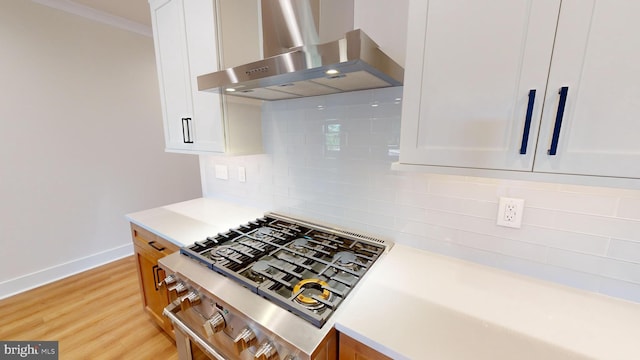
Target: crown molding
{"type": "Point", "coordinates": [97, 15]}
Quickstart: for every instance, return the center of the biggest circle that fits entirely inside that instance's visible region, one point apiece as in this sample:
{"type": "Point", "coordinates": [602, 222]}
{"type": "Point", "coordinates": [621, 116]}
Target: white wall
{"type": "Point", "coordinates": [585, 237]}
{"type": "Point", "coordinates": [386, 23]}
{"type": "Point", "coordinates": [81, 143]}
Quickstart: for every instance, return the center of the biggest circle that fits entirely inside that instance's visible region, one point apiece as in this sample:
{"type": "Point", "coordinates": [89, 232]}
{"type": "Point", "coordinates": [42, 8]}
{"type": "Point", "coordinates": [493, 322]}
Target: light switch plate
{"type": "Point", "coordinates": [222, 172]}
{"type": "Point", "coordinates": [242, 174]}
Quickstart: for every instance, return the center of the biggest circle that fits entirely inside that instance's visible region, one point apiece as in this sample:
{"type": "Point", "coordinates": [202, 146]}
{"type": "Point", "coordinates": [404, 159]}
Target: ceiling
{"type": "Point", "coordinates": [134, 10]}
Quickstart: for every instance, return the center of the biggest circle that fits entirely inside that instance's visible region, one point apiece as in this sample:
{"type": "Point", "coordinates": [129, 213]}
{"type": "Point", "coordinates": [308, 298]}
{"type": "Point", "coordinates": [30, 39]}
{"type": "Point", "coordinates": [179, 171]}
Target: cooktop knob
{"type": "Point", "coordinates": [169, 280]}
{"type": "Point", "coordinates": [245, 340]}
{"type": "Point", "coordinates": [215, 324]}
{"type": "Point", "coordinates": [266, 351]}
{"type": "Point", "coordinates": [177, 290]}
{"type": "Point", "coordinates": [187, 301]}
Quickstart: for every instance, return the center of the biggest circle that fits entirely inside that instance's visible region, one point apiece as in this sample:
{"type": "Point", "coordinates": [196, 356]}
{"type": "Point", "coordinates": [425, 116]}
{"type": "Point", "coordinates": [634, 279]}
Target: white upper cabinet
{"type": "Point", "coordinates": [173, 71]}
{"type": "Point", "coordinates": [483, 85]}
{"type": "Point", "coordinates": [595, 57]}
{"type": "Point", "coordinates": [472, 65]}
{"type": "Point", "coordinates": [186, 44]}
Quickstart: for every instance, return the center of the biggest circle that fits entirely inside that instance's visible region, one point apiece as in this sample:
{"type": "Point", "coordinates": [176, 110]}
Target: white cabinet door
{"type": "Point", "coordinates": [201, 37]}
{"type": "Point", "coordinates": [472, 66]}
{"type": "Point", "coordinates": [186, 41]}
{"type": "Point", "coordinates": [173, 72]}
{"type": "Point", "coordinates": [596, 57]}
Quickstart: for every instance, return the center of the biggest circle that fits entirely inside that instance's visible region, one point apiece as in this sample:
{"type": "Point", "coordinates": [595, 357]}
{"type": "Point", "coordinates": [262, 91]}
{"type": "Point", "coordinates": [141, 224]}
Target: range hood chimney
{"type": "Point", "coordinates": [299, 61]}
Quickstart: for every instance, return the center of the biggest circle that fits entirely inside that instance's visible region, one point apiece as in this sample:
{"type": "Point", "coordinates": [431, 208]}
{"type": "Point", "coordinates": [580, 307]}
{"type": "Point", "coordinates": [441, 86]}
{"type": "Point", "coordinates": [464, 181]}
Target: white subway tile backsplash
{"type": "Point", "coordinates": [390, 182]}
{"type": "Point", "coordinates": [385, 110]}
{"type": "Point", "coordinates": [389, 208]}
{"type": "Point", "coordinates": [294, 144]}
{"type": "Point", "coordinates": [621, 289]}
{"type": "Point", "coordinates": [549, 272]}
{"type": "Point", "coordinates": [553, 238]}
{"type": "Point", "coordinates": [483, 209]}
{"type": "Point", "coordinates": [621, 270]}
{"type": "Point", "coordinates": [566, 276]}
{"type": "Point", "coordinates": [484, 257]}
{"type": "Point", "coordinates": [284, 202]}
{"type": "Point", "coordinates": [575, 261]}
{"type": "Point", "coordinates": [599, 225]}
{"type": "Point", "coordinates": [474, 224]}
{"type": "Point", "coordinates": [423, 242]}
{"type": "Point", "coordinates": [344, 201]}
{"type": "Point", "coordinates": [568, 201]}
{"type": "Point", "coordinates": [624, 250]}
{"type": "Point", "coordinates": [367, 217]}
{"type": "Point", "coordinates": [629, 208]}
{"type": "Point", "coordinates": [364, 190]}
{"type": "Point", "coordinates": [349, 99]}
{"type": "Point", "coordinates": [384, 125]}
{"type": "Point", "coordinates": [403, 213]}
{"type": "Point", "coordinates": [425, 230]}
{"type": "Point", "coordinates": [605, 267]}
{"type": "Point", "coordinates": [539, 216]}
{"type": "Point", "coordinates": [594, 190]}
{"type": "Point", "coordinates": [328, 158]}
{"type": "Point", "coordinates": [316, 139]}
{"type": "Point", "coordinates": [294, 124]}
{"type": "Point", "coordinates": [356, 152]}
{"type": "Point", "coordinates": [502, 246]}
{"type": "Point", "coordinates": [412, 199]}
{"type": "Point", "coordinates": [320, 208]}
{"type": "Point", "coordinates": [465, 190]}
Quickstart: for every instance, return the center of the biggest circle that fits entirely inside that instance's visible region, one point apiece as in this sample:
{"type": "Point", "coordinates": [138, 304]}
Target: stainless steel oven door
{"type": "Point", "coordinates": [189, 344]}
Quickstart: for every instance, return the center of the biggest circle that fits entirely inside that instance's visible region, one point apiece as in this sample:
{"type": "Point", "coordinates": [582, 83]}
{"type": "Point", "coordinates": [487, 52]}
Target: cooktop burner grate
{"type": "Point", "coordinates": [304, 268]}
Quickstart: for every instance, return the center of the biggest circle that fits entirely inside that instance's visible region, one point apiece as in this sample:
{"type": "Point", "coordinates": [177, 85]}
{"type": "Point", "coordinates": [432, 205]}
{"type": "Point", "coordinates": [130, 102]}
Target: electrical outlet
{"type": "Point", "coordinates": [510, 212]}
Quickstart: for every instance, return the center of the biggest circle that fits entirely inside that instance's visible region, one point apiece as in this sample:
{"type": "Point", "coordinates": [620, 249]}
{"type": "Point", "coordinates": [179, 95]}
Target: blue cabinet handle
{"type": "Point", "coordinates": [527, 122]}
{"type": "Point", "coordinates": [556, 129]}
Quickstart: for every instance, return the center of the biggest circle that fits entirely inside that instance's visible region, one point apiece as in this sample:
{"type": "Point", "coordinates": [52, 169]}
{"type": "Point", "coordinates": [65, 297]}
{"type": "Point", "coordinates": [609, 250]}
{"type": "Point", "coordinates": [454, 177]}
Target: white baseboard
{"type": "Point", "coordinates": [41, 277]}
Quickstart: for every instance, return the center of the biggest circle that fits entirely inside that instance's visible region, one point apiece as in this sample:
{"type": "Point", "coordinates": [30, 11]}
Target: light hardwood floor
{"type": "Point", "coordinates": [94, 315]}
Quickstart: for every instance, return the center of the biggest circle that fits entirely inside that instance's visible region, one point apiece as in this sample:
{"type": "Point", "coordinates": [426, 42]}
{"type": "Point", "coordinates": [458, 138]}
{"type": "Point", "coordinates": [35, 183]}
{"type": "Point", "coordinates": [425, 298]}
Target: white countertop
{"type": "Point", "coordinates": [419, 305]}
{"type": "Point", "coordinates": [189, 221]}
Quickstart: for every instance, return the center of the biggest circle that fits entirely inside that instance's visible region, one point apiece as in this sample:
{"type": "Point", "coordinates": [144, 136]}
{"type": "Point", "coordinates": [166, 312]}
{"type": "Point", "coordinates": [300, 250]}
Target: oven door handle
{"type": "Point", "coordinates": [170, 312]}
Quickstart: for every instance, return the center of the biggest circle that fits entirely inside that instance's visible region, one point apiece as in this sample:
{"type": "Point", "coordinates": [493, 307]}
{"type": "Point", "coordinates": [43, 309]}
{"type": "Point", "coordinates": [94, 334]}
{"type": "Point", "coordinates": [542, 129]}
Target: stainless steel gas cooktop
{"type": "Point", "coordinates": [304, 268]}
{"type": "Point", "coordinates": [267, 289]}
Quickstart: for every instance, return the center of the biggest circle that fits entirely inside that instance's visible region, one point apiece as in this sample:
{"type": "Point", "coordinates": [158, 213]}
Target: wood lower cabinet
{"type": "Point", "coordinates": [149, 248]}
{"type": "Point", "coordinates": [351, 349]}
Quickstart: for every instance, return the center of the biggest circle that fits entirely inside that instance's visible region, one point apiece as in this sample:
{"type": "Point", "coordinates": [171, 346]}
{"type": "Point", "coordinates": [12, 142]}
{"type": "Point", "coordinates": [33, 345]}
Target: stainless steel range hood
{"type": "Point", "coordinates": [298, 64]}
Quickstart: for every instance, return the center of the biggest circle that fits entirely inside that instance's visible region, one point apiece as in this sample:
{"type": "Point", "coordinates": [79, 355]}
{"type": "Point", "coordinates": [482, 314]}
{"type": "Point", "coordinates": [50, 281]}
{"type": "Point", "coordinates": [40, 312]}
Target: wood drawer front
{"type": "Point", "coordinates": [151, 244]}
